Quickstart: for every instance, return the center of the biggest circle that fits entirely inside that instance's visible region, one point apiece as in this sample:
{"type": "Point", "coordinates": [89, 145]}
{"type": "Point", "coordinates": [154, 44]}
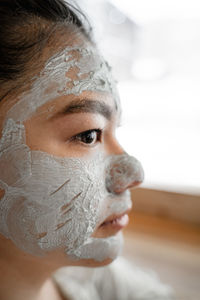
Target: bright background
{"type": "Point", "coordinates": [154, 48]}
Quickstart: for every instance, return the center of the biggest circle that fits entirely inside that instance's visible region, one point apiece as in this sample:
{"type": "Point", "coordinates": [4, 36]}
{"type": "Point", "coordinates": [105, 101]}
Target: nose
{"type": "Point", "coordinates": [123, 172]}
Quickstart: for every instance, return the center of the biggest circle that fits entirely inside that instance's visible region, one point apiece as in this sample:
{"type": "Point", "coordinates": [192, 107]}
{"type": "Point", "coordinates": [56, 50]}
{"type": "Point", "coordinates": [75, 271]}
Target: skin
{"type": "Point", "coordinates": [48, 130]}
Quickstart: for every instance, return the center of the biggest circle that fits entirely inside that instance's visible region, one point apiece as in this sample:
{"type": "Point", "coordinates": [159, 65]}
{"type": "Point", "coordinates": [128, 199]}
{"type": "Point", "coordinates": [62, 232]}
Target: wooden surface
{"type": "Point", "coordinates": [183, 207]}
{"type": "Point", "coordinates": [165, 228]}
{"type": "Point", "coordinates": [169, 247]}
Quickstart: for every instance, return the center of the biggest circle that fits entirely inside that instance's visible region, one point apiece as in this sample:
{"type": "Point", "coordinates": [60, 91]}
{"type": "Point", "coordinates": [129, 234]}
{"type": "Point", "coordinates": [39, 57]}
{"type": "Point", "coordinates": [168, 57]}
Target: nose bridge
{"type": "Point", "coordinates": [123, 172]}
{"type": "Point", "coordinates": [115, 148]}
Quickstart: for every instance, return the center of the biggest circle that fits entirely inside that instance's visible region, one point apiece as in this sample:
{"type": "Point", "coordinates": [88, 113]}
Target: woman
{"type": "Point", "coordinates": [64, 178]}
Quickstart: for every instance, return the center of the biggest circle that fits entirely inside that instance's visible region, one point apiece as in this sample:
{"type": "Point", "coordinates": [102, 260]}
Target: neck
{"type": "Point", "coordinates": [24, 276]}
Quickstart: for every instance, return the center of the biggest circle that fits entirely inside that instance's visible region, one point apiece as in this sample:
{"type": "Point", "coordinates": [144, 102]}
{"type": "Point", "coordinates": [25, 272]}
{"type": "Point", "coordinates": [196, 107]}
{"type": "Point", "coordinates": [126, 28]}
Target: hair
{"type": "Point", "coordinates": [26, 27]}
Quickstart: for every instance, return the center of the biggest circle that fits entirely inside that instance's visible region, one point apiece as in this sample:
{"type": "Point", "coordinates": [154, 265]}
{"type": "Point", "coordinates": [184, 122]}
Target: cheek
{"type": "Point", "coordinates": [20, 222]}
{"type": "Point", "coordinates": [54, 202]}
{"type": "Point", "coordinates": [71, 217]}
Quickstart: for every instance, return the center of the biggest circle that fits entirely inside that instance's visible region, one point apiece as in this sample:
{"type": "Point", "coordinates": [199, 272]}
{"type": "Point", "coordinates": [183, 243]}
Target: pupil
{"type": "Point", "coordinates": [89, 137]}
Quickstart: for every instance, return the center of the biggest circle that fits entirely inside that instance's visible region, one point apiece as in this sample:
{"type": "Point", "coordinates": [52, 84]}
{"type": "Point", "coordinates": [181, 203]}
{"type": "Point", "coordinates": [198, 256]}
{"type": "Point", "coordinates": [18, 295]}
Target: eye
{"type": "Point", "coordinates": [88, 137]}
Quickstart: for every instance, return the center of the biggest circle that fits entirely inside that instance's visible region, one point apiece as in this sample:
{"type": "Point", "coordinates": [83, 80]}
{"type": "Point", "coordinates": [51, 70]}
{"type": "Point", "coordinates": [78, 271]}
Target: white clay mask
{"type": "Point", "coordinates": [52, 202]}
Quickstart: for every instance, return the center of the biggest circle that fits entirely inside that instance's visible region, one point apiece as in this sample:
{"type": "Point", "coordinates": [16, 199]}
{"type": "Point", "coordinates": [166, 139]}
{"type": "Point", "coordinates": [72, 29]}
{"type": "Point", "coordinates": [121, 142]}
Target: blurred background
{"type": "Point", "coordinates": [154, 49]}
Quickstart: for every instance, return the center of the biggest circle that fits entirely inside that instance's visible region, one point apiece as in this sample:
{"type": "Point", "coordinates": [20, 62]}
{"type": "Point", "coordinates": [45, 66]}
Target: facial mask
{"type": "Point", "coordinates": [52, 202]}
{"type": "Point", "coordinates": [70, 72]}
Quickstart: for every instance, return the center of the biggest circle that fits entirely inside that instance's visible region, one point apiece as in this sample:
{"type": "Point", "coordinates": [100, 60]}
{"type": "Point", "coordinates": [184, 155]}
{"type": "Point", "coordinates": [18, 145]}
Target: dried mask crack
{"type": "Point", "coordinates": [41, 210]}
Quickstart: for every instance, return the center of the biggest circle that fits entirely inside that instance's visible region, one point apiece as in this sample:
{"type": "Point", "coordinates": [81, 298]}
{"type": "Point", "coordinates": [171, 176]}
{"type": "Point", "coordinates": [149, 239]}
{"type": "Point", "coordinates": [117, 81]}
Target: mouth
{"type": "Point", "coordinates": [116, 222]}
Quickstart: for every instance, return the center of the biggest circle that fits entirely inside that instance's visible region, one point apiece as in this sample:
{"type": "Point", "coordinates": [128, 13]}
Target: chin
{"type": "Point", "coordinates": [59, 259]}
{"type": "Point", "coordinates": [99, 252]}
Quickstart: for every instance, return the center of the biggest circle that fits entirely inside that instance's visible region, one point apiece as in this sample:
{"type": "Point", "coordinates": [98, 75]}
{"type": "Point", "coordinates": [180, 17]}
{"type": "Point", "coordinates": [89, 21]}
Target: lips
{"type": "Point", "coordinates": [118, 221]}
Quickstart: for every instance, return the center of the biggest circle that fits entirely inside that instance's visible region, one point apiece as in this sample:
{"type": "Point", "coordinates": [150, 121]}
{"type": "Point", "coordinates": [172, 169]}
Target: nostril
{"type": "Point", "coordinates": [124, 172]}
{"type": "Point", "coordinates": [130, 186]}
{"type": "Point", "coordinates": [134, 184]}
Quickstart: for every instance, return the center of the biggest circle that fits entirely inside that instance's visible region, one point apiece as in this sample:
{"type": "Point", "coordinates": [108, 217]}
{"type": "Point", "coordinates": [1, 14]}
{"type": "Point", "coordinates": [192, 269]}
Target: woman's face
{"type": "Point", "coordinates": [64, 177]}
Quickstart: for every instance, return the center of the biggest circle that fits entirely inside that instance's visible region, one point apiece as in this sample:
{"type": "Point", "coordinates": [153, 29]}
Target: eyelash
{"type": "Point", "coordinates": [79, 138]}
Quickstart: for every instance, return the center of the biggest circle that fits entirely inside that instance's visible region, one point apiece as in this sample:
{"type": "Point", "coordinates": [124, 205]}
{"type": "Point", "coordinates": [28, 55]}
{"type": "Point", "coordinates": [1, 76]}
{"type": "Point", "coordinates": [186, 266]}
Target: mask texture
{"type": "Point", "coordinates": [52, 202]}
{"type": "Point", "coordinates": [70, 72]}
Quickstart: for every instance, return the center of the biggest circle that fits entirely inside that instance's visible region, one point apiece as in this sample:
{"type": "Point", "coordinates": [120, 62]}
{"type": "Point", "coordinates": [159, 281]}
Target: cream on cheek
{"type": "Point", "coordinates": [49, 201]}
{"type": "Point", "coordinates": [52, 202]}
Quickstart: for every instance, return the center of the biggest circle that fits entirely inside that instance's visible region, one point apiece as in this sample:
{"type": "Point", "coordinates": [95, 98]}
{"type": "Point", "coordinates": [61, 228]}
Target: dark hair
{"type": "Point", "coordinates": [25, 28]}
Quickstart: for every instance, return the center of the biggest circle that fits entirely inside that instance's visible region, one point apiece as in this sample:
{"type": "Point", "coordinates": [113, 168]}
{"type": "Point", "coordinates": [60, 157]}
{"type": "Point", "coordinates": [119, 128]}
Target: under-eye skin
{"type": "Point", "coordinates": [89, 137]}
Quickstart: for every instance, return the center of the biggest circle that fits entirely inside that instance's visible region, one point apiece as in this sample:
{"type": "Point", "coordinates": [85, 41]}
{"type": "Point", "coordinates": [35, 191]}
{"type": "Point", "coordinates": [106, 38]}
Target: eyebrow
{"type": "Point", "coordinates": [87, 106]}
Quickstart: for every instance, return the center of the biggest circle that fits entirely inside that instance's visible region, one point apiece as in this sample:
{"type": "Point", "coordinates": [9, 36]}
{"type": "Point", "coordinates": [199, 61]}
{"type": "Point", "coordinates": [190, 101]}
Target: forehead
{"type": "Point", "coordinates": [72, 71]}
